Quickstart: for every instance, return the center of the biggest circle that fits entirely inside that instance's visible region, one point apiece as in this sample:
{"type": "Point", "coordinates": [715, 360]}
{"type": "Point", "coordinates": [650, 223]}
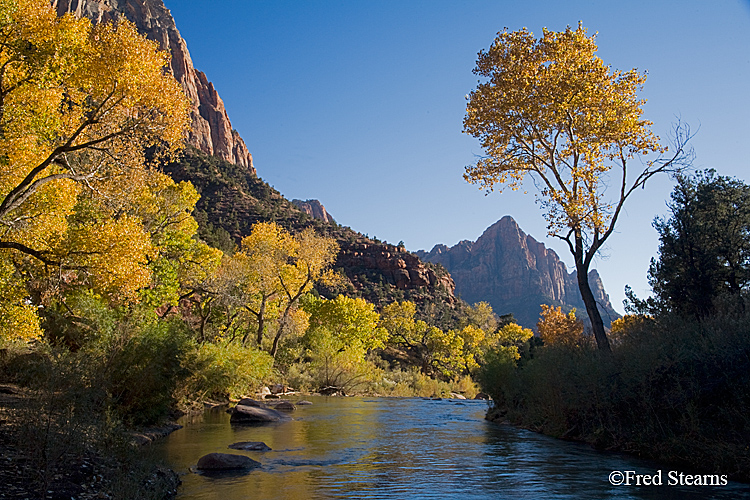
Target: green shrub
{"type": "Point", "coordinates": [226, 369]}
{"type": "Point", "coordinates": [144, 370]}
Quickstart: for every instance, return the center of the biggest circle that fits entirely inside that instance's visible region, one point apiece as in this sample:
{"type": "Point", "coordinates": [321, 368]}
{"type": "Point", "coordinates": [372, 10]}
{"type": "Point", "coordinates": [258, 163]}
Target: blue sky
{"type": "Point", "coordinates": [360, 104]}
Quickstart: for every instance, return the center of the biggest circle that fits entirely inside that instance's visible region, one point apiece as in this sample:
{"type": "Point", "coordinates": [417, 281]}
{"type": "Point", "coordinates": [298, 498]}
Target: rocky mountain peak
{"type": "Point", "coordinates": [314, 209]}
{"type": "Point", "coordinates": [211, 131]}
{"type": "Point", "coordinates": [515, 273]}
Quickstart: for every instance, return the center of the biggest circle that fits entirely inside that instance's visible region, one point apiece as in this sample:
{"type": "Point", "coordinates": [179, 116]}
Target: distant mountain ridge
{"type": "Point", "coordinates": [233, 199]}
{"type": "Point", "coordinates": [210, 131]}
{"type": "Point", "coordinates": [514, 273]}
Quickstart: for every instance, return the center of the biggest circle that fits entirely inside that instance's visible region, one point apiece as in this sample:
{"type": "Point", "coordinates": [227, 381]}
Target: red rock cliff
{"type": "Point", "coordinates": [211, 130]}
{"type": "Point", "coordinates": [515, 274]}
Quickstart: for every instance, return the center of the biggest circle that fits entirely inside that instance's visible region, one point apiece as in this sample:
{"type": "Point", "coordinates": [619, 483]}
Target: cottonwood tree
{"type": "Point", "coordinates": [552, 111]}
{"type": "Point", "coordinates": [341, 332]}
{"type": "Point", "coordinates": [79, 106]}
{"type": "Point", "coordinates": [263, 282]}
{"type": "Point", "coordinates": [448, 353]}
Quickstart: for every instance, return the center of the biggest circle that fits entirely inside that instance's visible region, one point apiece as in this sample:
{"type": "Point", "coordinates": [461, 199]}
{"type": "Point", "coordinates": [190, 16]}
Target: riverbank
{"type": "Point", "coordinates": [675, 390]}
{"type": "Point", "coordinates": [42, 457]}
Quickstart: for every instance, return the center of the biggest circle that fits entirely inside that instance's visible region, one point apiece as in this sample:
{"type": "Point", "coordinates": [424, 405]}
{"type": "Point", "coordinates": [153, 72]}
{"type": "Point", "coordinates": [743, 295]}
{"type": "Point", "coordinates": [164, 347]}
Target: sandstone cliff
{"type": "Point", "coordinates": [211, 130]}
{"type": "Point", "coordinates": [365, 260]}
{"type": "Point", "coordinates": [314, 209]}
{"type": "Point", "coordinates": [515, 274]}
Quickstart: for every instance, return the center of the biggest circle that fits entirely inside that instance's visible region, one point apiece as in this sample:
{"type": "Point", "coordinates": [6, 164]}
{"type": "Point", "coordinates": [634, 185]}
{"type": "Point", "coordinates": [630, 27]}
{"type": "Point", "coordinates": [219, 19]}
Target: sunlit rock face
{"type": "Point", "coordinates": [314, 209]}
{"type": "Point", "coordinates": [514, 273]}
{"type": "Point", "coordinates": [211, 130]}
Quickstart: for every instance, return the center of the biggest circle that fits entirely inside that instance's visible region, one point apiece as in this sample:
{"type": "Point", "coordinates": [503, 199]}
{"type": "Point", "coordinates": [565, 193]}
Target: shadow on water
{"type": "Point", "coordinates": [392, 448]}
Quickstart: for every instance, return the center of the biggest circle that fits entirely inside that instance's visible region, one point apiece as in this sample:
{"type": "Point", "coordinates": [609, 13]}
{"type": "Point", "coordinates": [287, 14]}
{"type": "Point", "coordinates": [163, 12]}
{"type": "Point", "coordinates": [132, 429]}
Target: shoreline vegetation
{"type": "Point", "coordinates": [676, 387]}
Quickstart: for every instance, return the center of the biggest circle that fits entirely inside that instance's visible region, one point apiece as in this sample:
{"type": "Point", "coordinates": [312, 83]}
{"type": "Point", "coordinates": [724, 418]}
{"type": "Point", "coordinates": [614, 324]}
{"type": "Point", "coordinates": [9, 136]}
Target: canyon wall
{"type": "Point", "coordinates": [211, 131]}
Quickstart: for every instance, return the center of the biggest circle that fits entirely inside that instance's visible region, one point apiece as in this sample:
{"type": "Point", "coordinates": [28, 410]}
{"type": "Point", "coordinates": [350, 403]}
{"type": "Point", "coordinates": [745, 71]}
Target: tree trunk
{"type": "Point", "coordinates": [597, 325]}
{"type": "Point", "coordinates": [261, 322]}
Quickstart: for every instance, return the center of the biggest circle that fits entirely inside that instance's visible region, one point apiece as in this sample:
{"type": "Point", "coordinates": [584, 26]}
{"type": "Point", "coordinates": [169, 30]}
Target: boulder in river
{"type": "Point", "coordinates": [282, 405]}
{"type": "Point", "coordinates": [250, 446]}
{"type": "Point", "coordinates": [251, 402]}
{"type": "Point", "coordinates": [303, 403]}
{"type": "Point", "coordinates": [255, 415]}
{"type": "Point", "coordinates": [225, 461]}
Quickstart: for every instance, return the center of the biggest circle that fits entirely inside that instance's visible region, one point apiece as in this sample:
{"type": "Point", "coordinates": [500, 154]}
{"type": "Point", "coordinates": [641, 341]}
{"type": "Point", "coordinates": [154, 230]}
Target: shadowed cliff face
{"type": "Point", "coordinates": [515, 274]}
{"type": "Point", "coordinates": [211, 131]}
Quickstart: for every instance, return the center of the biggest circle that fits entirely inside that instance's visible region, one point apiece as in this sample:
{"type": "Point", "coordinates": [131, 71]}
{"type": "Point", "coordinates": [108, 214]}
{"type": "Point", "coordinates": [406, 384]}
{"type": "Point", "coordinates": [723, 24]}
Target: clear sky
{"type": "Point", "coordinates": [360, 104]}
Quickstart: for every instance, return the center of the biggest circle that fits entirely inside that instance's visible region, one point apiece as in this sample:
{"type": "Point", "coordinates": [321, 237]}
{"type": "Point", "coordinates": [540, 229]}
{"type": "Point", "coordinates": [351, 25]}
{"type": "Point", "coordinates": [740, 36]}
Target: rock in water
{"type": "Point", "coordinates": [250, 446]}
{"type": "Point", "coordinates": [251, 402]}
{"type": "Point", "coordinates": [282, 405]}
{"type": "Point", "coordinates": [255, 415]}
{"type": "Point", "coordinates": [226, 461]}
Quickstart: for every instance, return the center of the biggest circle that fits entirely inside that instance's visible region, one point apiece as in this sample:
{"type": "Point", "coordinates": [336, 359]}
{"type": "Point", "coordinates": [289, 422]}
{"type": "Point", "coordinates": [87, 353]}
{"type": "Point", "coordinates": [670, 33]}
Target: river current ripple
{"type": "Point", "coordinates": [408, 448]}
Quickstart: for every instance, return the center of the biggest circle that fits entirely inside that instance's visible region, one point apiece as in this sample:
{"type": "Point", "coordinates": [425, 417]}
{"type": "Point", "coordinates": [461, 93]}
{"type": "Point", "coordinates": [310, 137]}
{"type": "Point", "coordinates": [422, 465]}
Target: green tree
{"type": "Point", "coordinates": [553, 111]}
{"type": "Point", "coordinates": [704, 245]}
{"type": "Point", "coordinates": [448, 353]}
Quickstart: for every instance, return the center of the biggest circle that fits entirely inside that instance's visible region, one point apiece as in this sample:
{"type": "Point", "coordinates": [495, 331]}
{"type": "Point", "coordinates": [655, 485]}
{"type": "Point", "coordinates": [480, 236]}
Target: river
{"type": "Point", "coordinates": [409, 448]}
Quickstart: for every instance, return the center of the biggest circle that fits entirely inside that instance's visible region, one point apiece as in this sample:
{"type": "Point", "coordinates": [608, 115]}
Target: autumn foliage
{"type": "Point", "coordinates": [557, 328]}
{"type": "Point", "coordinates": [551, 111]}
{"type": "Point", "coordinates": [79, 106]}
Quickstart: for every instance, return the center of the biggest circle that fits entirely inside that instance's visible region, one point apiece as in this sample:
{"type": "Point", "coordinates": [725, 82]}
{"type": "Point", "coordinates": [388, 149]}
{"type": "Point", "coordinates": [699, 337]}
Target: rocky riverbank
{"type": "Point", "coordinates": [35, 464]}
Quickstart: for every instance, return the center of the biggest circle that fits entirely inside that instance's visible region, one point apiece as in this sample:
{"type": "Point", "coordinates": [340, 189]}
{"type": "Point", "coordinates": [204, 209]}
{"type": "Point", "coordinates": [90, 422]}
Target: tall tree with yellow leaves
{"type": "Point", "coordinates": [79, 106]}
{"type": "Point", "coordinates": [269, 274]}
{"type": "Point", "coordinates": [553, 111]}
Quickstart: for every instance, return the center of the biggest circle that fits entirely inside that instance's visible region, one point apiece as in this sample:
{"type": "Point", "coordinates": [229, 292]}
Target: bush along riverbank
{"type": "Point", "coordinates": [675, 389]}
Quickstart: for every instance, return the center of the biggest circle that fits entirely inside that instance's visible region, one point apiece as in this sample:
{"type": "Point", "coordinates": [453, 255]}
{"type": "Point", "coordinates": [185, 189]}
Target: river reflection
{"type": "Point", "coordinates": [410, 448]}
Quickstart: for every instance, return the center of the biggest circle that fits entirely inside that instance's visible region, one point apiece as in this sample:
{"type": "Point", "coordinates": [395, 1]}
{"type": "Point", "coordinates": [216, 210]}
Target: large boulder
{"type": "Point", "coordinates": [255, 415]}
{"type": "Point", "coordinates": [225, 461]}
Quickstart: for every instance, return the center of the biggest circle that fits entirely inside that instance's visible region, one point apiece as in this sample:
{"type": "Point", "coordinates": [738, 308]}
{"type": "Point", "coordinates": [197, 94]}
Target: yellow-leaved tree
{"type": "Point", "coordinates": [551, 110]}
{"type": "Point", "coordinates": [262, 283]}
{"type": "Point", "coordinates": [557, 328]}
{"type": "Point", "coordinates": [341, 332]}
{"type": "Point", "coordinates": [80, 105]}
{"type": "Point", "coordinates": [448, 353]}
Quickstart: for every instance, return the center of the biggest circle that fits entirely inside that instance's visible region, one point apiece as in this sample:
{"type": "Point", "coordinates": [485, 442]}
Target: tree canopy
{"type": "Point", "coordinates": [704, 246]}
{"type": "Point", "coordinates": [80, 108]}
{"type": "Point", "coordinates": [552, 111]}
